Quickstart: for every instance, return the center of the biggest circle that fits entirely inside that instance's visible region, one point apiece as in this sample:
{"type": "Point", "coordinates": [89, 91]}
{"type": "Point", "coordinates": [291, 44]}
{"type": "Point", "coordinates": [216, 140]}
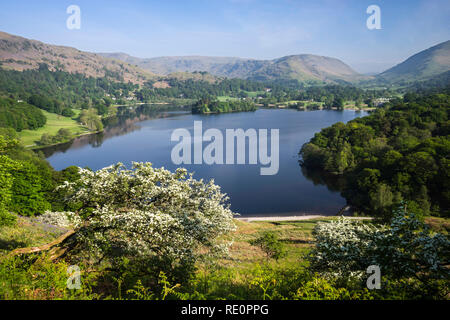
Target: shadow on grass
{"type": "Point", "coordinates": [296, 241]}
{"type": "Point", "coordinates": [11, 244]}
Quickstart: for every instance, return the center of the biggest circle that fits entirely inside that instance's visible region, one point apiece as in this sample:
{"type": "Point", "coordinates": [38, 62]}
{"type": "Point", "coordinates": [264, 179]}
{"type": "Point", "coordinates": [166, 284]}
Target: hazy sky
{"type": "Point", "coordinates": [240, 28]}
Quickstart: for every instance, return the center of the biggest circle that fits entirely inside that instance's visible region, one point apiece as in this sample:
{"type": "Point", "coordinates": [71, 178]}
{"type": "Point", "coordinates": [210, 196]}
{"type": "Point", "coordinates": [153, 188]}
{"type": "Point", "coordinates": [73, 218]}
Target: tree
{"type": "Point", "coordinates": [339, 103]}
{"type": "Point", "coordinates": [28, 194]}
{"type": "Point", "coordinates": [382, 199]}
{"type": "Point", "coordinates": [91, 119]}
{"type": "Point", "coordinates": [271, 245]}
{"type": "Point", "coordinates": [152, 217]}
{"type": "Point", "coordinates": [68, 112]}
{"type": "Point", "coordinates": [6, 181]}
{"type": "Point", "coordinates": [398, 152]}
{"type": "Point", "coordinates": [46, 139]}
{"type": "Point", "coordinates": [405, 250]}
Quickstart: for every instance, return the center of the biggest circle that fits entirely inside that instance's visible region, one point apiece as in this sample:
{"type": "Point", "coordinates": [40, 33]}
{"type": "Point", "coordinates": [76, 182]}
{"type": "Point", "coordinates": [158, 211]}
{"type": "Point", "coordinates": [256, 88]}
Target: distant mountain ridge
{"type": "Point", "coordinates": [424, 65]}
{"type": "Point", "coordinates": [17, 53]}
{"type": "Point", "coordinates": [304, 67]}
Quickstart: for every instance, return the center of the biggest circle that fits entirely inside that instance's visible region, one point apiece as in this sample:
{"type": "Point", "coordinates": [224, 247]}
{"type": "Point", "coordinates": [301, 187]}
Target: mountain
{"type": "Point", "coordinates": [219, 66]}
{"type": "Point", "coordinates": [421, 66]}
{"type": "Point", "coordinates": [303, 67]}
{"type": "Point", "coordinates": [18, 53]}
{"type": "Point", "coordinates": [306, 67]}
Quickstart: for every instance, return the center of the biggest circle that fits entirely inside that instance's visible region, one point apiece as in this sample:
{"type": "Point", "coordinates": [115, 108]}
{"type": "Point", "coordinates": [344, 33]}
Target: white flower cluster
{"type": "Point", "coordinates": [405, 248]}
{"type": "Point", "coordinates": [60, 219]}
{"type": "Point", "coordinates": [147, 211]}
{"type": "Point", "coordinates": [340, 245]}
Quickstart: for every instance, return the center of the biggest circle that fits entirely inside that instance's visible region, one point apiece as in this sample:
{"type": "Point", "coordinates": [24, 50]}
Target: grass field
{"type": "Point", "coordinates": [296, 236]}
{"type": "Point", "coordinates": [54, 123]}
{"type": "Point", "coordinates": [254, 94]}
{"type": "Point", "coordinates": [226, 98]}
{"type": "Point", "coordinates": [352, 105]}
{"type": "Point", "coordinates": [293, 102]}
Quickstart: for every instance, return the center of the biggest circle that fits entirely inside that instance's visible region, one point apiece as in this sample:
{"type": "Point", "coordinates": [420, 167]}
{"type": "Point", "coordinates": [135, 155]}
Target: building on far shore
{"type": "Point", "coordinates": [380, 101]}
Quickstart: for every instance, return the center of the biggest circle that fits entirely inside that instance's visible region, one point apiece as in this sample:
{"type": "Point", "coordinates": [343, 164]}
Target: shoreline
{"type": "Point", "coordinates": [38, 147]}
{"type": "Point", "coordinates": [293, 218]}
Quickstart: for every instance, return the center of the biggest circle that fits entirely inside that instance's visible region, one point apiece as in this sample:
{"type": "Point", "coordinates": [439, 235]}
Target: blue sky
{"type": "Point", "coordinates": [241, 28]}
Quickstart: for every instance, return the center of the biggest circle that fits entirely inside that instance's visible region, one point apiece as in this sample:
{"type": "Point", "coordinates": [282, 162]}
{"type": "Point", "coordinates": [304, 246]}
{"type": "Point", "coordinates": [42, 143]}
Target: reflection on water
{"type": "Point", "coordinates": [125, 121]}
{"type": "Point", "coordinates": [320, 178]}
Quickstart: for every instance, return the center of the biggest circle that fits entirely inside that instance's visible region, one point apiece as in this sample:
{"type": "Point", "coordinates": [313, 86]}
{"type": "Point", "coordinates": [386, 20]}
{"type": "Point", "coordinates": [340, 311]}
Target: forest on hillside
{"type": "Point", "coordinates": [398, 153]}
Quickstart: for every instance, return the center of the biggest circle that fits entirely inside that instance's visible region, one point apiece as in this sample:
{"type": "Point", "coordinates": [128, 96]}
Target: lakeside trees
{"type": "Point", "coordinates": [27, 181]}
{"type": "Point", "coordinates": [90, 119]}
{"type": "Point", "coordinates": [397, 153]}
{"type": "Point", "coordinates": [59, 91]}
{"type": "Point", "coordinates": [209, 105]}
{"type": "Point", "coordinates": [63, 135]}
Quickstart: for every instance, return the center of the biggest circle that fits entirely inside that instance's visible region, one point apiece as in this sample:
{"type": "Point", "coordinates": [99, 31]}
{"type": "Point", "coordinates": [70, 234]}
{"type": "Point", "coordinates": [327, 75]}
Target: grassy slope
{"type": "Point", "coordinates": [226, 98]}
{"type": "Point", "coordinates": [54, 123]}
{"type": "Point", "coordinates": [27, 233]}
{"type": "Point", "coordinates": [296, 236]}
{"type": "Point", "coordinates": [239, 276]}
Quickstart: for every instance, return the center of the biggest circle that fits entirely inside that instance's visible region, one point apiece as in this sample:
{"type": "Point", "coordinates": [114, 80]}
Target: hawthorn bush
{"type": "Point", "coordinates": [147, 220]}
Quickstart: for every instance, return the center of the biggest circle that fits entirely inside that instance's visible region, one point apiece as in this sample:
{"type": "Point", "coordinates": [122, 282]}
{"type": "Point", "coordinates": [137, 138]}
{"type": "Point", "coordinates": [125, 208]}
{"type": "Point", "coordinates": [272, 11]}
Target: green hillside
{"type": "Point", "coordinates": [421, 66]}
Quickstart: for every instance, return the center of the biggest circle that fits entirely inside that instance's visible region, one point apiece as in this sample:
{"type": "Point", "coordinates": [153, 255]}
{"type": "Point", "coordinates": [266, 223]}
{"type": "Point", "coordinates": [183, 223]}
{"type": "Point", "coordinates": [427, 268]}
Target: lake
{"type": "Point", "coordinates": [144, 135]}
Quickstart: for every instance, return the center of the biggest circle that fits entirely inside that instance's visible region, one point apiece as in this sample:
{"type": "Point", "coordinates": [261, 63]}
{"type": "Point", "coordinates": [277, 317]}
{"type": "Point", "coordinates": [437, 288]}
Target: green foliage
{"type": "Point", "coordinates": [59, 91]}
{"type": "Point", "coordinates": [27, 180]}
{"type": "Point", "coordinates": [38, 278]}
{"type": "Point", "coordinates": [319, 288]}
{"type": "Point", "coordinates": [6, 182]}
{"type": "Point", "coordinates": [20, 115]}
{"type": "Point", "coordinates": [139, 292]}
{"type": "Point", "coordinates": [28, 193]}
{"type": "Point", "coordinates": [397, 153]}
{"type": "Point", "coordinates": [206, 105]}
{"type": "Point", "coordinates": [91, 119]}
{"type": "Point", "coordinates": [63, 135]}
{"type": "Point", "coordinates": [271, 245]}
{"type": "Point", "coordinates": [406, 250]}
{"type": "Point", "coordinates": [46, 103]}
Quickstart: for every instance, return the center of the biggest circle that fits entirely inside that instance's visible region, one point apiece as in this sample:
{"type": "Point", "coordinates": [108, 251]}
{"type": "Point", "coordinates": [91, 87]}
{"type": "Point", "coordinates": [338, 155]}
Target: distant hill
{"type": "Point", "coordinates": [302, 67]}
{"type": "Point", "coordinates": [306, 67]}
{"type": "Point", "coordinates": [17, 53]}
{"type": "Point", "coordinates": [421, 66]}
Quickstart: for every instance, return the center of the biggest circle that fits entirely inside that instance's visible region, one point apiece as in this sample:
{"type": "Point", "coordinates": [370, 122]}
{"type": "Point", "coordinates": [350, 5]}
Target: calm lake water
{"type": "Point", "coordinates": [144, 136]}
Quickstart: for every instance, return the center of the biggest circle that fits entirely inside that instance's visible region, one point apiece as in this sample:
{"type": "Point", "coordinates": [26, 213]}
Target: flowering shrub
{"type": "Point", "coordinates": [149, 214]}
{"type": "Point", "coordinates": [342, 247]}
{"type": "Point", "coordinates": [60, 219]}
{"type": "Point", "coordinates": [406, 249]}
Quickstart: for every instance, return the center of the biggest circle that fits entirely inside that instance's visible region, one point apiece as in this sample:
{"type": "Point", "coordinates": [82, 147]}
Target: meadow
{"type": "Point", "coordinates": [54, 123]}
